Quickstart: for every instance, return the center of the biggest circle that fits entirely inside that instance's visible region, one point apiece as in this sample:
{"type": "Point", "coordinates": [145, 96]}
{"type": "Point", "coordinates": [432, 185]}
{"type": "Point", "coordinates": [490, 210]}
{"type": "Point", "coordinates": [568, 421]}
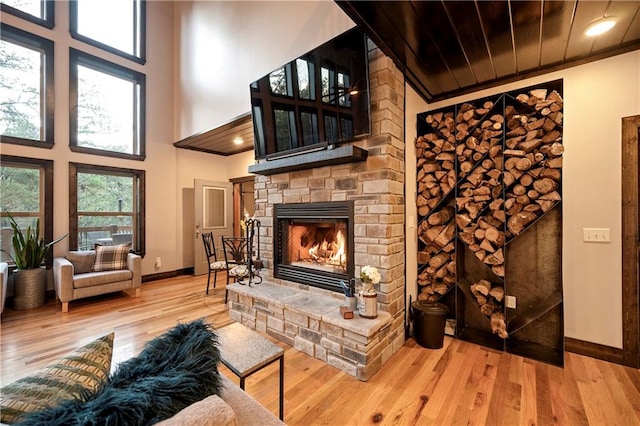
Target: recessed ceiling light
{"type": "Point", "coordinates": [238, 141]}
{"type": "Point", "coordinates": [600, 26]}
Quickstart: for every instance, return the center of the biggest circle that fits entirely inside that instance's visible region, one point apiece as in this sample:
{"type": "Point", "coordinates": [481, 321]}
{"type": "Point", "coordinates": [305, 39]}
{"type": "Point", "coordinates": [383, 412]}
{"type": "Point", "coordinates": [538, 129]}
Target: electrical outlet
{"type": "Point", "coordinates": [158, 262]}
{"type": "Point", "coordinates": [596, 235]}
{"type": "Point", "coordinates": [410, 222]}
{"type": "Point", "coordinates": [510, 302]}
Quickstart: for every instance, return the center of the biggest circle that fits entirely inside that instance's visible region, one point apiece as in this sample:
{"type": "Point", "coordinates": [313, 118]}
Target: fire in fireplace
{"type": "Point", "coordinates": [313, 244]}
{"type": "Point", "coordinates": [318, 245]}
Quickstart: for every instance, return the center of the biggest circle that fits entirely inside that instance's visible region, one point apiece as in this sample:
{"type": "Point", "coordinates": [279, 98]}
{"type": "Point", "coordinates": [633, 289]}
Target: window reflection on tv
{"type": "Point", "coordinates": [318, 99]}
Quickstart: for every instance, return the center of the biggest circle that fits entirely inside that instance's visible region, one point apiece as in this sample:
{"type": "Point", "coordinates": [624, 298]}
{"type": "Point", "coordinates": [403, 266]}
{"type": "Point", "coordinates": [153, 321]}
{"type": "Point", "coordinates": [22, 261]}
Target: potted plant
{"type": "Point", "coordinates": [30, 250]}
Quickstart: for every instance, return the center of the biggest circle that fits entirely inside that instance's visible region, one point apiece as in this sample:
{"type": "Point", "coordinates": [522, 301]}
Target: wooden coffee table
{"type": "Point", "coordinates": [244, 352]}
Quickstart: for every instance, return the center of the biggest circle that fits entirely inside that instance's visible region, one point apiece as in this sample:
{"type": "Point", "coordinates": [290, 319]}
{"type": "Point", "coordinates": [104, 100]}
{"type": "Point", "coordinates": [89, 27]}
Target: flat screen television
{"type": "Point", "coordinates": [316, 100]}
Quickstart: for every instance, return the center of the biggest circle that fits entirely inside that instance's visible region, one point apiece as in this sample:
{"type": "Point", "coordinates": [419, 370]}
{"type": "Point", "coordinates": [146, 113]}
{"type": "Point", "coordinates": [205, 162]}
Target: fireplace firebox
{"type": "Point", "coordinates": [313, 243]}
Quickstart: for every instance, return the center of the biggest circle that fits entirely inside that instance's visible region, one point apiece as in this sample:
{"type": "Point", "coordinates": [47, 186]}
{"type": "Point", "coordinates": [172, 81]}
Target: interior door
{"type": "Point", "coordinates": [213, 213]}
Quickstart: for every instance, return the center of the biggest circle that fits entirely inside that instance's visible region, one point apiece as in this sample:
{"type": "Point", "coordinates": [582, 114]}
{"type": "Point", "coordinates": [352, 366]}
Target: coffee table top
{"type": "Point", "coordinates": [244, 351]}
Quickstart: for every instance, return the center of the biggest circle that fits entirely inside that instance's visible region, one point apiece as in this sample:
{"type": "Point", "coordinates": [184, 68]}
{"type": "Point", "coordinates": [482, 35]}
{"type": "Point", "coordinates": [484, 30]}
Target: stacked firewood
{"type": "Point", "coordinates": [489, 296]}
{"type": "Point", "coordinates": [435, 153]}
{"type": "Point", "coordinates": [438, 272]}
{"type": "Point", "coordinates": [485, 238]}
{"type": "Point", "coordinates": [533, 159]}
{"type": "Point", "coordinates": [475, 137]}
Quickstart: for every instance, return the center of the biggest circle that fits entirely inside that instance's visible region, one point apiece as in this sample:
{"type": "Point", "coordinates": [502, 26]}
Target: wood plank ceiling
{"type": "Point", "coordinates": [222, 139]}
{"type": "Point", "coordinates": [447, 48]}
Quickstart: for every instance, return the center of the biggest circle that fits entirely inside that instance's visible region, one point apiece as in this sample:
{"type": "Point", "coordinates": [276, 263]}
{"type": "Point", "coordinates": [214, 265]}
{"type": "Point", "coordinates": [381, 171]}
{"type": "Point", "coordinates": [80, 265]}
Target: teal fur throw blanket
{"type": "Point", "coordinates": [172, 372]}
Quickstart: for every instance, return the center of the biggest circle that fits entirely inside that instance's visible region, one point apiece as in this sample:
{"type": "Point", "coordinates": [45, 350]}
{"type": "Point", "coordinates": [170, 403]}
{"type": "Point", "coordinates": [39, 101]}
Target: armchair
{"type": "Point", "coordinates": [74, 276]}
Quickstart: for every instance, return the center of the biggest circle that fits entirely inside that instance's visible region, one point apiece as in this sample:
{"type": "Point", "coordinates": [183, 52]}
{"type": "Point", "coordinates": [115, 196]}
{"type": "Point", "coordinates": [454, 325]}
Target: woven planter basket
{"type": "Point", "coordinates": [29, 288]}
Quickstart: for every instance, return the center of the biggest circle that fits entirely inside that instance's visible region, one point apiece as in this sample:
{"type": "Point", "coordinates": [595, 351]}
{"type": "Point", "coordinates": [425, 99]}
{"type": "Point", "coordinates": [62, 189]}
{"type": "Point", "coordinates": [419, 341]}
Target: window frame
{"type": "Point", "coordinates": [48, 6]}
{"type": "Point", "coordinates": [17, 36]}
{"type": "Point", "coordinates": [47, 183]}
{"type": "Point", "coordinates": [141, 32]}
{"type": "Point", "coordinates": [77, 57]}
{"type": "Point", "coordinates": [139, 215]}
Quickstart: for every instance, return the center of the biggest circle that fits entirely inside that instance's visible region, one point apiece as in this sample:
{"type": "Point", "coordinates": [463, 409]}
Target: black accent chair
{"type": "Point", "coordinates": [215, 265]}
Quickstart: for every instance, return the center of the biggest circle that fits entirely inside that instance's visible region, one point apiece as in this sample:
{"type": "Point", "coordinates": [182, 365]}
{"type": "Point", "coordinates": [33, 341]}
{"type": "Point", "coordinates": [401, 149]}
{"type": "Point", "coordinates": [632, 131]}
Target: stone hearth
{"type": "Point", "coordinates": [312, 323]}
{"type": "Point", "coordinates": [376, 186]}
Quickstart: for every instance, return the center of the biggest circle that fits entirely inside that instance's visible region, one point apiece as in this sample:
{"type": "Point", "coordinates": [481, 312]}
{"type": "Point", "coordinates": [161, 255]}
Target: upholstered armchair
{"type": "Point", "coordinates": [90, 273]}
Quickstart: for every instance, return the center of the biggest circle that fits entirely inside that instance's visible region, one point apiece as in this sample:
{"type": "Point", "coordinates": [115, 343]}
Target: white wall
{"type": "Point", "coordinates": [597, 95]}
{"type": "Point", "coordinates": [224, 46]}
{"type": "Point", "coordinates": [160, 165]}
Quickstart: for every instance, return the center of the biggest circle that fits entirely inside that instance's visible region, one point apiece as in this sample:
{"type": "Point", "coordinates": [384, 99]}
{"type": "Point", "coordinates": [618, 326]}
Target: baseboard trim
{"type": "Point", "coordinates": [594, 350]}
{"type": "Point", "coordinates": [168, 274]}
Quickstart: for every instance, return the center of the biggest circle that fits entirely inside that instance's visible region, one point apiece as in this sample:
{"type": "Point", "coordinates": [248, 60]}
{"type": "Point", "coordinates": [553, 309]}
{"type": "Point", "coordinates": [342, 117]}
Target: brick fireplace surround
{"type": "Point", "coordinates": [308, 318]}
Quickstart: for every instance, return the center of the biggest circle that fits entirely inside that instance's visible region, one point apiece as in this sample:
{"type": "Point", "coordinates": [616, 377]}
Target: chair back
{"type": "Point", "coordinates": [209, 246]}
{"type": "Point", "coordinates": [235, 249]}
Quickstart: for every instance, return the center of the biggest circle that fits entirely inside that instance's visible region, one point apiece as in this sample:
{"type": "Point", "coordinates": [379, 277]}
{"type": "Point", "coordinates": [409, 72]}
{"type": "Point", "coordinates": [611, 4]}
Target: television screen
{"type": "Point", "coordinates": [322, 97]}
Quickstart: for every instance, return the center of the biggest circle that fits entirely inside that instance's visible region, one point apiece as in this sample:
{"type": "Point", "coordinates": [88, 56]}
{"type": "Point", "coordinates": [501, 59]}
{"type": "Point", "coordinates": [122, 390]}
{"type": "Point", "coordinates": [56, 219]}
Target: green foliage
{"type": "Point", "coordinates": [29, 248]}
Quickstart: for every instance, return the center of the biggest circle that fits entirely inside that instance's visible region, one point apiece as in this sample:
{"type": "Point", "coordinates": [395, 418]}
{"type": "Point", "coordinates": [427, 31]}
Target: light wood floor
{"type": "Point", "coordinates": [461, 383]}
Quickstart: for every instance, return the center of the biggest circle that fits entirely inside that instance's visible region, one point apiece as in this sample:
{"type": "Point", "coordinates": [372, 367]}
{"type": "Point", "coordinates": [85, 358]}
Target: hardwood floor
{"type": "Point", "coordinates": [461, 383]}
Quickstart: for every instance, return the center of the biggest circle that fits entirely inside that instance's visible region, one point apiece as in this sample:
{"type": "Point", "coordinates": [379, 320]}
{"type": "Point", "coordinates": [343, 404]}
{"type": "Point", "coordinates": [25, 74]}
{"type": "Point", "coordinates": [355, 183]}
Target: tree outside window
{"type": "Point", "coordinates": [107, 115]}
{"type": "Point", "coordinates": [26, 88]}
{"type": "Point", "coordinates": [33, 180]}
{"type": "Point", "coordinates": [109, 207]}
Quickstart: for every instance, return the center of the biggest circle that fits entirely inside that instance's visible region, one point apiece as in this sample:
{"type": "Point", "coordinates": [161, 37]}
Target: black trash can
{"type": "Point", "coordinates": [428, 323]}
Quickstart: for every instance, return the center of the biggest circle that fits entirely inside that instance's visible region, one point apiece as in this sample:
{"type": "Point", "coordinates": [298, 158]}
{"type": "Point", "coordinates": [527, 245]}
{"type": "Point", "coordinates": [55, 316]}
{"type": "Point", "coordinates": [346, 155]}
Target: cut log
{"type": "Point", "coordinates": [498, 325]}
{"type": "Point", "coordinates": [442, 216]}
{"type": "Point", "coordinates": [519, 221]}
{"type": "Point", "coordinates": [497, 292]}
{"type": "Point", "coordinates": [483, 286]}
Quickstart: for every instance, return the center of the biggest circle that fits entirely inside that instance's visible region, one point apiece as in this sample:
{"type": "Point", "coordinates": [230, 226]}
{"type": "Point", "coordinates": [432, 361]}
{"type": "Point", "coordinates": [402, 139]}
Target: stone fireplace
{"type": "Point", "coordinates": [314, 243]}
{"type": "Point", "coordinates": [361, 198]}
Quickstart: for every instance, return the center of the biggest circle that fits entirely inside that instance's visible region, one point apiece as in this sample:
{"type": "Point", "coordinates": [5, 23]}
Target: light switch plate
{"type": "Point", "coordinates": [510, 302]}
{"type": "Point", "coordinates": [410, 222]}
{"type": "Point", "coordinates": [596, 235]}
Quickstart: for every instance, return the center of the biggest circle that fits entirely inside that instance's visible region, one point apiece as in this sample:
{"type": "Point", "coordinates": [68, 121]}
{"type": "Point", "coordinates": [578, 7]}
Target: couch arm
{"type": "Point", "coordinates": [134, 264]}
{"type": "Point", "coordinates": [63, 279]}
{"type": "Point", "coordinates": [4, 275]}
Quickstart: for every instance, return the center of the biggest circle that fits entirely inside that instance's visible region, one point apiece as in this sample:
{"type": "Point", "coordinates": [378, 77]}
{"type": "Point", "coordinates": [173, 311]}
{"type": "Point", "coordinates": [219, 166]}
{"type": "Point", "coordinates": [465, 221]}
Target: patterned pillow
{"type": "Point", "coordinates": [109, 258]}
{"type": "Point", "coordinates": [74, 376]}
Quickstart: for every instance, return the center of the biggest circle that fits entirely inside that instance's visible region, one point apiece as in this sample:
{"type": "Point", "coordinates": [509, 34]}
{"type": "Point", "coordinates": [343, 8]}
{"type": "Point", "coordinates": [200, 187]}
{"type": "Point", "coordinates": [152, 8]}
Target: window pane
{"type": "Point", "coordinates": [21, 105]}
{"type": "Point", "coordinates": [306, 88]}
{"type": "Point", "coordinates": [309, 122]}
{"type": "Point", "coordinates": [328, 85]}
{"type": "Point", "coordinates": [105, 111]}
{"type": "Point", "coordinates": [346, 128]}
{"type": "Point", "coordinates": [105, 209]}
{"type": "Point", "coordinates": [280, 81]}
{"type": "Point", "coordinates": [344, 83]}
{"type": "Point", "coordinates": [96, 20]}
{"type": "Point", "coordinates": [32, 7]}
{"type": "Point", "coordinates": [25, 209]}
{"type": "Point", "coordinates": [330, 128]}
{"type": "Point", "coordinates": [286, 137]}
{"type": "Point", "coordinates": [104, 193]}
{"type": "Point", "coordinates": [214, 207]}
{"type": "Point", "coordinates": [23, 181]}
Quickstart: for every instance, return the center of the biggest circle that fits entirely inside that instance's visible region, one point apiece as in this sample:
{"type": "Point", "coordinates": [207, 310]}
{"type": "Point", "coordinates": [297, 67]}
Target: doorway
{"type": "Point", "coordinates": [244, 201]}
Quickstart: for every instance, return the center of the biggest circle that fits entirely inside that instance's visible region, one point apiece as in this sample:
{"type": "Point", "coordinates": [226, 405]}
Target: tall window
{"type": "Point", "coordinates": [26, 88]}
{"type": "Point", "coordinates": [107, 207]}
{"type": "Point", "coordinates": [107, 115]}
{"type": "Point", "coordinates": [117, 26]}
{"type": "Point", "coordinates": [40, 12]}
{"type": "Point", "coordinates": [33, 180]}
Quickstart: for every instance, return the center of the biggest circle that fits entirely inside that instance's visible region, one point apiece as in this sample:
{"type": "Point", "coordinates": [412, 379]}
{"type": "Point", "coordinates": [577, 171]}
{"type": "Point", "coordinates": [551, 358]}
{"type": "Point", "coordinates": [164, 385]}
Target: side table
{"type": "Point", "coordinates": [244, 352]}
